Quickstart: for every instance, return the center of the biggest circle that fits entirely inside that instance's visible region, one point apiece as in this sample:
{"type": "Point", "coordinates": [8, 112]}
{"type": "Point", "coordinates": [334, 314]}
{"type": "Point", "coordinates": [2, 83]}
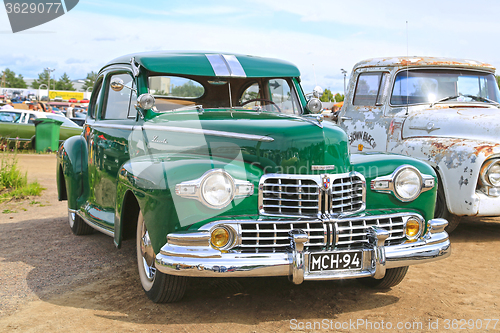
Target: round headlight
{"type": "Point", "coordinates": [146, 101]}
{"type": "Point", "coordinates": [314, 105]}
{"type": "Point", "coordinates": [217, 189]}
{"type": "Point", "coordinates": [220, 237]}
{"type": "Point", "coordinates": [412, 229]}
{"type": "Point", "coordinates": [493, 174]}
{"type": "Point", "coordinates": [408, 184]}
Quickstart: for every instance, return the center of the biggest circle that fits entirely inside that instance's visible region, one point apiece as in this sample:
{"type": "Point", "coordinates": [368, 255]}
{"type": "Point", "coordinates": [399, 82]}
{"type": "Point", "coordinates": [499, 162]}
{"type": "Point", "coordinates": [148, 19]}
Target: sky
{"type": "Point", "coordinates": [319, 37]}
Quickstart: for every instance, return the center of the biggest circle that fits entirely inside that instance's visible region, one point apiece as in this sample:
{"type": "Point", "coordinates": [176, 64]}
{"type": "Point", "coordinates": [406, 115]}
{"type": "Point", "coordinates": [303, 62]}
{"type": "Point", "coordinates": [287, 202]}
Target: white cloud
{"type": "Point", "coordinates": [335, 35]}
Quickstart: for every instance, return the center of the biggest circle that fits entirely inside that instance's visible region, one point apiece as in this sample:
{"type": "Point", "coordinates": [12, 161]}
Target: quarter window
{"type": "Point", "coordinates": [95, 99]}
{"type": "Point", "coordinates": [118, 102]}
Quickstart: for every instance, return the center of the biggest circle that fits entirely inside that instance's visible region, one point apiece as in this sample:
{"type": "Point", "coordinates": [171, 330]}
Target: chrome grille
{"type": "Point", "coordinates": [354, 233]}
{"type": "Point", "coordinates": [347, 194]}
{"type": "Point", "coordinates": [305, 195]}
{"type": "Point", "coordinates": [290, 196]}
{"type": "Point", "coordinates": [271, 237]}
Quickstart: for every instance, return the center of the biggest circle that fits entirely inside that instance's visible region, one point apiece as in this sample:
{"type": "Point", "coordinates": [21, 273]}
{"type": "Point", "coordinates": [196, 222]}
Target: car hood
{"type": "Point", "coordinates": [274, 142]}
{"type": "Point", "coordinates": [481, 124]}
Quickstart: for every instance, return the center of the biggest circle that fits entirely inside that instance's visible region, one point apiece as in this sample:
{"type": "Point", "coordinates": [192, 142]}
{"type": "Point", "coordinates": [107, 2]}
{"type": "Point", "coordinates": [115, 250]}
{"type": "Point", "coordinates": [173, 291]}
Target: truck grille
{"type": "Point", "coordinates": [272, 237]}
{"type": "Point", "coordinates": [305, 196]}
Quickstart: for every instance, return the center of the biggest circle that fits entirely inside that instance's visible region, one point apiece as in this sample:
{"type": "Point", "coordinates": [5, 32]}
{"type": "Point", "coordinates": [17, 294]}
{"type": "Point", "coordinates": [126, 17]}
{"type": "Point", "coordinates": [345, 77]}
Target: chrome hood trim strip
{"type": "Point", "coordinates": [199, 131]}
{"type": "Point", "coordinates": [226, 65]}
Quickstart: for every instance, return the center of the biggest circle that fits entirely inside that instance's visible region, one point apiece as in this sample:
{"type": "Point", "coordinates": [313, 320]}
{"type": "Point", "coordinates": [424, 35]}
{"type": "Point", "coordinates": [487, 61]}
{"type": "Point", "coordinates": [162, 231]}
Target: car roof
{"type": "Point", "coordinates": [207, 64]}
{"type": "Point", "coordinates": [415, 61]}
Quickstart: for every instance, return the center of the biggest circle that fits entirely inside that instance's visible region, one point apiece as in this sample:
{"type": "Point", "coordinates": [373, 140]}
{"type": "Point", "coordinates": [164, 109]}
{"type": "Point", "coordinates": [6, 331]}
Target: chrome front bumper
{"type": "Point", "coordinates": [191, 255]}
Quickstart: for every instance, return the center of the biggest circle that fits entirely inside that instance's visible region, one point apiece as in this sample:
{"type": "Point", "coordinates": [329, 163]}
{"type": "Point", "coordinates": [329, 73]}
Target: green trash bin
{"type": "Point", "coordinates": [47, 134]}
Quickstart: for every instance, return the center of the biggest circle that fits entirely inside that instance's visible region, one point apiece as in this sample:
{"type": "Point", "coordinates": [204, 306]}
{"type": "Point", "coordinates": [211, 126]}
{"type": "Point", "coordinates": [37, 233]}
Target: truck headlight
{"type": "Point", "coordinates": [490, 173]}
{"type": "Point", "coordinates": [406, 183]}
{"type": "Point", "coordinates": [217, 189]}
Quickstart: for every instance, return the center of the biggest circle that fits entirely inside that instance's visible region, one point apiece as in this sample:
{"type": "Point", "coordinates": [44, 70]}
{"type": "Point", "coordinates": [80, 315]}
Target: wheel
{"type": "Point", "coordinates": [443, 212]}
{"type": "Point", "coordinates": [261, 100]}
{"type": "Point", "coordinates": [77, 225]}
{"type": "Point", "coordinates": [393, 276]}
{"type": "Point", "coordinates": [158, 286]}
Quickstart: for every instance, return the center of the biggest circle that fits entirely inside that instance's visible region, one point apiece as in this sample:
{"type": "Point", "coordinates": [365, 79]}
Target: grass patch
{"type": "Point", "coordinates": [13, 183]}
{"type": "Point", "coordinates": [8, 211]}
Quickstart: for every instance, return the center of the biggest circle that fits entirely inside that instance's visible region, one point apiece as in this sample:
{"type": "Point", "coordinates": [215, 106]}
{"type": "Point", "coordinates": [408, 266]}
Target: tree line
{"type": "Point", "coordinates": [8, 79]}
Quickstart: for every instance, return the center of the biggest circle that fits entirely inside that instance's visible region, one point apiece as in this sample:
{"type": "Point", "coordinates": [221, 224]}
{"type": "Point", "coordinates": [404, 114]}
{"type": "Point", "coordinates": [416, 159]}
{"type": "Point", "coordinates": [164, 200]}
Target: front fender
{"type": "Point", "coordinates": [373, 165]}
{"type": "Point", "coordinates": [72, 160]}
{"type": "Point", "coordinates": [152, 180]}
{"type": "Point", "coordinates": [458, 163]}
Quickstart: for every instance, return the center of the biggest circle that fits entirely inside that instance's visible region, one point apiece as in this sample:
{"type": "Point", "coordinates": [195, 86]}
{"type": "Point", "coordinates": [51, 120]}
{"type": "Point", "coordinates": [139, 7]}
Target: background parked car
{"type": "Point", "coordinates": [72, 100]}
{"type": "Point", "coordinates": [18, 125]}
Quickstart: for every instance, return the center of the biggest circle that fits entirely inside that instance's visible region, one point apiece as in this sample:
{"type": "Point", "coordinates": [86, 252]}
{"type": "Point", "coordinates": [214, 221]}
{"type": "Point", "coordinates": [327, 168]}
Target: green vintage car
{"type": "Point", "coordinates": [217, 165]}
{"type": "Point", "coordinates": [19, 125]}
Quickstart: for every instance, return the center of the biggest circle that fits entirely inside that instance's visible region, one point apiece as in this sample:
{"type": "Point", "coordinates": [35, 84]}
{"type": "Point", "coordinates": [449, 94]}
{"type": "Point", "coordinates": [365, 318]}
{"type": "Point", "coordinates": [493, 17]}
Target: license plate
{"type": "Point", "coordinates": [335, 261]}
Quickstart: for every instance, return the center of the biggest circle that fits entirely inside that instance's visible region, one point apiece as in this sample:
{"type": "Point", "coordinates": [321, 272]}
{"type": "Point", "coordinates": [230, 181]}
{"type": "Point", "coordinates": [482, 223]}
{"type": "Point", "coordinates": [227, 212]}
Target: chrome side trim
{"type": "Point", "coordinates": [96, 227]}
{"type": "Point", "coordinates": [199, 131]}
{"type": "Point", "coordinates": [115, 126]}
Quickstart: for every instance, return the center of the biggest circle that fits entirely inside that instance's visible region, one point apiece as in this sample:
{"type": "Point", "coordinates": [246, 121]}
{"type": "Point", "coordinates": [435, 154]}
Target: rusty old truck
{"type": "Point", "coordinates": [440, 110]}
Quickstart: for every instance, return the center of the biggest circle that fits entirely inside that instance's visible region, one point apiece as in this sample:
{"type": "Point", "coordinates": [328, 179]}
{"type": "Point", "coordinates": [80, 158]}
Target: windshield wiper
{"type": "Point", "coordinates": [477, 98]}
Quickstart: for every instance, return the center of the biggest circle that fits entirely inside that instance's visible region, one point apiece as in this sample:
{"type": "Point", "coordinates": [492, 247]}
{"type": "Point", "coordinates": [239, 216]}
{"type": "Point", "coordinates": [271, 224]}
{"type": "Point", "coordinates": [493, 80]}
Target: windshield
{"type": "Point", "coordinates": [247, 94]}
{"type": "Point", "coordinates": [428, 86]}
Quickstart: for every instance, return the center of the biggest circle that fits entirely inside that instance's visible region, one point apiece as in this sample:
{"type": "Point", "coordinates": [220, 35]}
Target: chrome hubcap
{"type": "Point", "coordinates": [148, 254]}
{"type": "Point", "coordinates": [72, 217]}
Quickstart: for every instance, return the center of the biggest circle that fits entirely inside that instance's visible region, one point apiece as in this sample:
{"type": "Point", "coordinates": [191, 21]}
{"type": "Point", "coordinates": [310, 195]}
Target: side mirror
{"type": "Point", "coordinates": [117, 84]}
{"type": "Point", "coordinates": [314, 105]}
{"type": "Point", "coordinates": [317, 92]}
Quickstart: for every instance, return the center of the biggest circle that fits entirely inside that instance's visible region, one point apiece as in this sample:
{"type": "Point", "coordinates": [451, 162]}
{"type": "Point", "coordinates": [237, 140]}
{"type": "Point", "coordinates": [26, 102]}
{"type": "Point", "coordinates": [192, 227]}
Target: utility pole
{"type": "Point", "coordinates": [344, 72]}
{"type": "Point", "coordinates": [48, 86]}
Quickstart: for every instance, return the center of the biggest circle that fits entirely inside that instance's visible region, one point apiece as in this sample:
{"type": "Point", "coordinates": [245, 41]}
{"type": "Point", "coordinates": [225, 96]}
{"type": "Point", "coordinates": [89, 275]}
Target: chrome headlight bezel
{"type": "Point", "coordinates": [388, 184]}
{"type": "Point", "coordinates": [194, 189]}
{"type": "Point", "coordinates": [486, 171]}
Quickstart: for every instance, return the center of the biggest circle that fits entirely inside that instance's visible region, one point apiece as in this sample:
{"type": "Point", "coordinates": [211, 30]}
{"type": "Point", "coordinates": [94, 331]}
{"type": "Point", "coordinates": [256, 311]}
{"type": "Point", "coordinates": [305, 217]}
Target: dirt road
{"type": "Point", "coordinates": [53, 281]}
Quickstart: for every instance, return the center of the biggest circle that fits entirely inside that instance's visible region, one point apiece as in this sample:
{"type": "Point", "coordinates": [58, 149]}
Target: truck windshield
{"type": "Point", "coordinates": [428, 86]}
{"type": "Point", "coordinates": [244, 94]}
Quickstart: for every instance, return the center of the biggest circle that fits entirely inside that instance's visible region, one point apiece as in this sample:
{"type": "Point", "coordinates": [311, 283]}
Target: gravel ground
{"type": "Point", "coordinates": [51, 280]}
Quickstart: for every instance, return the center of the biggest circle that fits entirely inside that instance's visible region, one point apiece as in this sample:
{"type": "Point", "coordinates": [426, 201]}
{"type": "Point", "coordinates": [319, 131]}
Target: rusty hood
{"type": "Point", "coordinates": [482, 124]}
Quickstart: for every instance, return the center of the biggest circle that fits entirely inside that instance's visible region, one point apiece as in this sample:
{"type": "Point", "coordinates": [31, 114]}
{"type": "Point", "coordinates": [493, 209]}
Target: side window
{"type": "Point", "coordinates": [32, 119]}
{"type": "Point", "coordinates": [118, 102]}
{"type": "Point", "coordinates": [132, 111]}
{"type": "Point", "coordinates": [370, 88]}
{"type": "Point", "coordinates": [281, 94]}
{"type": "Point", "coordinates": [95, 99]}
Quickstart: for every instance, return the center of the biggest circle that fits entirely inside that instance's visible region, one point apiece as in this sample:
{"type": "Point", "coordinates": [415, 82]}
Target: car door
{"type": "Point", "coordinates": [107, 138]}
{"type": "Point", "coordinates": [362, 116]}
{"type": "Point", "coordinates": [9, 123]}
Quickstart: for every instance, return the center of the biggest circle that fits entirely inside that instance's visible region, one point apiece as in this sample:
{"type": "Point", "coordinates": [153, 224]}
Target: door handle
{"type": "Point", "coordinates": [345, 118]}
